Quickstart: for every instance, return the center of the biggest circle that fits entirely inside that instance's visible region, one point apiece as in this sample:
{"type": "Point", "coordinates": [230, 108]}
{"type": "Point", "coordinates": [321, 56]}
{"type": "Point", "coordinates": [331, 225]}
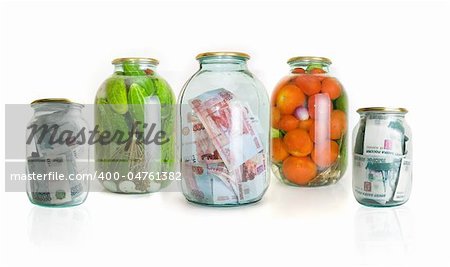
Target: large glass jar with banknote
{"type": "Point", "coordinates": [224, 139]}
{"type": "Point", "coordinates": [134, 120]}
{"type": "Point", "coordinates": [382, 157]}
{"type": "Point", "coordinates": [309, 124]}
{"type": "Point", "coordinates": [57, 153]}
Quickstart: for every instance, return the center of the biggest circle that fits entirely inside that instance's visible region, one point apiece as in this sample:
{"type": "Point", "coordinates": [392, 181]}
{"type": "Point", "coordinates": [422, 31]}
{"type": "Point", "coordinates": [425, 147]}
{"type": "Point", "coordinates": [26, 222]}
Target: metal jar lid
{"type": "Point", "coordinates": [309, 59]}
{"type": "Point", "coordinates": [222, 54]}
{"type": "Point", "coordinates": [383, 110]}
{"type": "Point", "coordinates": [142, 60]}
{"type": "Point", "coordinates": [55, 101]}
{"type": "Point", "coordinates": [52, 100]}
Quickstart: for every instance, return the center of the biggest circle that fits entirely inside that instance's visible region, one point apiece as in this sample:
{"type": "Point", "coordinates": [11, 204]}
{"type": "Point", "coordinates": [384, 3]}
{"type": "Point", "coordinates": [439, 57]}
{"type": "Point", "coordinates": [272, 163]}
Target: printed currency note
{"type": "Point", "coordinates": [384, 135]}
{"type": "Point", "coordinates": [228, 125]}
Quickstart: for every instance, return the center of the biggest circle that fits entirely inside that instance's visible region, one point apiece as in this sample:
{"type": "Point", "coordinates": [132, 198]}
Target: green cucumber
{"type": "Point", "coordinates": [275, 133]}
{"type": "Point", "coordinates": [132, 69]}
{"type": "Point", "coordinates": [139, 77]}
{"type": "Point", "coordinates": [110, 121]}
{"type": "Point", "coordinates": [146, 83]}
{"type": "Point", "coordinates": [341, 102]}
{"type": "Point", "coordinates": [343, 155]}
{"type": "Point", "coordinates": [314, 66]}
{"type": "Point", "coordinates": [163, 91]}
{"type": "Point", "coordinates": [116, 94]}
{"type": "Point", "coordinates": [136, 99]}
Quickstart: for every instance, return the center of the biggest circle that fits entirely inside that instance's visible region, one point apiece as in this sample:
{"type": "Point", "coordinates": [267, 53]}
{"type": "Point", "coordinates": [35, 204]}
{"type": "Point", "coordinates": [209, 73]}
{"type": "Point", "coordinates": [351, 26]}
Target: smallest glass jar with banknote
{"type": "Point", "coordinates": [382, 157]}
{"type": "Point", "coordinates": [57, 153]}
{"type": "Point", "coordinates": [224, 116]}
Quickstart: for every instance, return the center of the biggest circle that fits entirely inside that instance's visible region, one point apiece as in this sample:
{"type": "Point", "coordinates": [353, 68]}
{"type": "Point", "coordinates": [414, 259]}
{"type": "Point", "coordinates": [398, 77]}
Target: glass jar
{"type": "Point", "coordinates": [57, 153]}
{"type": "Point", "coordinates": [224, 111]}
{"type": "Point", "coordinates": [309, 125]}
{"type": "Point", "coordinates": [134, 117]}
{"type": "Point", "coordinates": [382, 157]}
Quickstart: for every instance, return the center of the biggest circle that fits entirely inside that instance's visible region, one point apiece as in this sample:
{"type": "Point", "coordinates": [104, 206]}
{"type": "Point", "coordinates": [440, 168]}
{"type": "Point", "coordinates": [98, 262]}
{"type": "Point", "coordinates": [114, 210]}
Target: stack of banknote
{"type": "Point", "coordinates": [382, 160]}
{"type": "Point", "coordinates": [54, 159]}
{"type": "Point", "coordinates": [223, 155]}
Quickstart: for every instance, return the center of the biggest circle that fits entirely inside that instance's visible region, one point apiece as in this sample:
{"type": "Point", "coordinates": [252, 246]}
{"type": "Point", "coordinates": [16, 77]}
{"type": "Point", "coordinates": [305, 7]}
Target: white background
{"type": "Point", "coordinates": [385, 53]}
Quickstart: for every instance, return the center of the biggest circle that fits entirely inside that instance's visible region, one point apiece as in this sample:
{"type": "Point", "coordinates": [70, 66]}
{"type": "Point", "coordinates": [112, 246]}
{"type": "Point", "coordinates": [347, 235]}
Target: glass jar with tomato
{"type": "Point", "coordinates": [309, 124]}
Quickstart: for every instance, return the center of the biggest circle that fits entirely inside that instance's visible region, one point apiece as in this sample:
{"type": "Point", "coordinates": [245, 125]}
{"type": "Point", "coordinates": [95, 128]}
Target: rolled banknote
{"type": "Point", "coordinates": [215, 184]}
{"type": "Point", "coordinates": [196, 145]}
{"type": "Point", "coordinates": [384, 135]}
{"type": "Point", "coordinates": [56, 189]}
{"type": "Point", "coordinates": [202, 186]}
{"type": "Point", "coordinates": [222, 154]}
{"type": "Point", "coordinates": [247, 181]}
{"type": "Point", "coordinates": [228, 125]}
{"type": "Point", "coordinates": [377, 178]}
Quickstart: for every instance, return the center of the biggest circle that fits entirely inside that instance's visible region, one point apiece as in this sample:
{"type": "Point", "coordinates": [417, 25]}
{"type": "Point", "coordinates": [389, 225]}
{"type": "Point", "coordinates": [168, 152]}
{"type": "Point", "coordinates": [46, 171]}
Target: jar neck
{"type": "Point", "coordinates": [135, 68]}
{"type": "Point", "coordinates": [223, 63]}
{"type": "Point", "coordinates": [308, 65]}
{"type": "Point", "coordinates": [364, 115]}
{"type": "Point", "coordinates": [42, 108]}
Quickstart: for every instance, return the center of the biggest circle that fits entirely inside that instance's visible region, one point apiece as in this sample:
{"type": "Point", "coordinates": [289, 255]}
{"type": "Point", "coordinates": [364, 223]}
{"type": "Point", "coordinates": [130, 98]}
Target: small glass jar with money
{"type": "Point", "coordinates": [224, 114]}
{"type": "Point", "coordinates": [57, 153]}
{"type": "Point", "coordinates": [382, 157]}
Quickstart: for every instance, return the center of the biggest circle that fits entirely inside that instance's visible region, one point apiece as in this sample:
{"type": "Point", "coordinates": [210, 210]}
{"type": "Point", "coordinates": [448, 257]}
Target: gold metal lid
{"type": "Point", "coordinates": [63, 101]}
{"type": "Point", "coordinates": [135, 60]}
{"type": "Point", "coordinates": [52, 100]}
{"type": "Point", "coordinates": [222, 54]}
{"type": "Point", "coordinates": [382, 110]}
{"type": "Point", "coordinates": [309, 59]}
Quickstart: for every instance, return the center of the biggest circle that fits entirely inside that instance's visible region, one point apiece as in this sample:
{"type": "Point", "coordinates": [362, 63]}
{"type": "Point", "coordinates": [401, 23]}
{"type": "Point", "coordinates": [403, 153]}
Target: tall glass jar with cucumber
{"type": "Point", "coordinates": [309, 124]}
{"type": "Point", "coordinates": [134, 117]}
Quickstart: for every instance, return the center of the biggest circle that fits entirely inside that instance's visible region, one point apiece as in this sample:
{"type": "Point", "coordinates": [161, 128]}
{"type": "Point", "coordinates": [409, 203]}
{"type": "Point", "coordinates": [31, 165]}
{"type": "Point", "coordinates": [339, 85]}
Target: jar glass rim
{"type": "Point", "coordinates": [383, 110]}
{"type": "Point", "coordinates": [138, 60]}
{"type": "Point", "coordinates": [309, 59]}
{"type": "Point", "coordinates": [223, 54]}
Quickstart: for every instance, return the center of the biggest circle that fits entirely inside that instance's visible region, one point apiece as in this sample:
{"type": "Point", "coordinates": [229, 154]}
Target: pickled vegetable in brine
{"type": "Point", "coordinates": [135, 108]}
{"type": "Point", "coordinates": [309, 125]}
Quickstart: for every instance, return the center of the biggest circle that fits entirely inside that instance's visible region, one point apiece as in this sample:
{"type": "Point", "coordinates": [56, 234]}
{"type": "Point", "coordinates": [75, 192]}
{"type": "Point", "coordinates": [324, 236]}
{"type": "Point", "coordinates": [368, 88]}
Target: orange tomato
{"type": "Point", "coordinates": [331, 87]}
{"type": "Point", "coordinates": [288, 122]}
{"type": "Point", "coordinates": [298, 71]}
{"type": "Point", "coordinates": [298, 142]}
{"type": "Point", "coordinates": [289, 98]}
{"type": "Point", "coordinates": [284, 81]}
{"type": "Point", "coordinates": [325, 154]}
{"type": "Point", "coordinates": [299, 170]}
{"type": "Point", "coordinates": [306, 124]}
{"type": "Point", "coordinates": [279, 150]}
{"type": "Point", "coordinates": [338, 124]}
{"type": "Point", "coordinates": [309, 84]}
{"type": "Point", "coordinates": [317, 71]}
{"type": "Point", "coordinates": [319, 104]}
{"type": "Point", "coordinates": [275, 116]}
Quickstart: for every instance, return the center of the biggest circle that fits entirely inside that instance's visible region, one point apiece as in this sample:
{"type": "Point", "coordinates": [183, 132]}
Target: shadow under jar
{"type": "Point", "coordinates": [309, 124]}
{"type": "Point", "coordinates": [135, 118]}
{"type": "Point", "coordinates": [224, 139]}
